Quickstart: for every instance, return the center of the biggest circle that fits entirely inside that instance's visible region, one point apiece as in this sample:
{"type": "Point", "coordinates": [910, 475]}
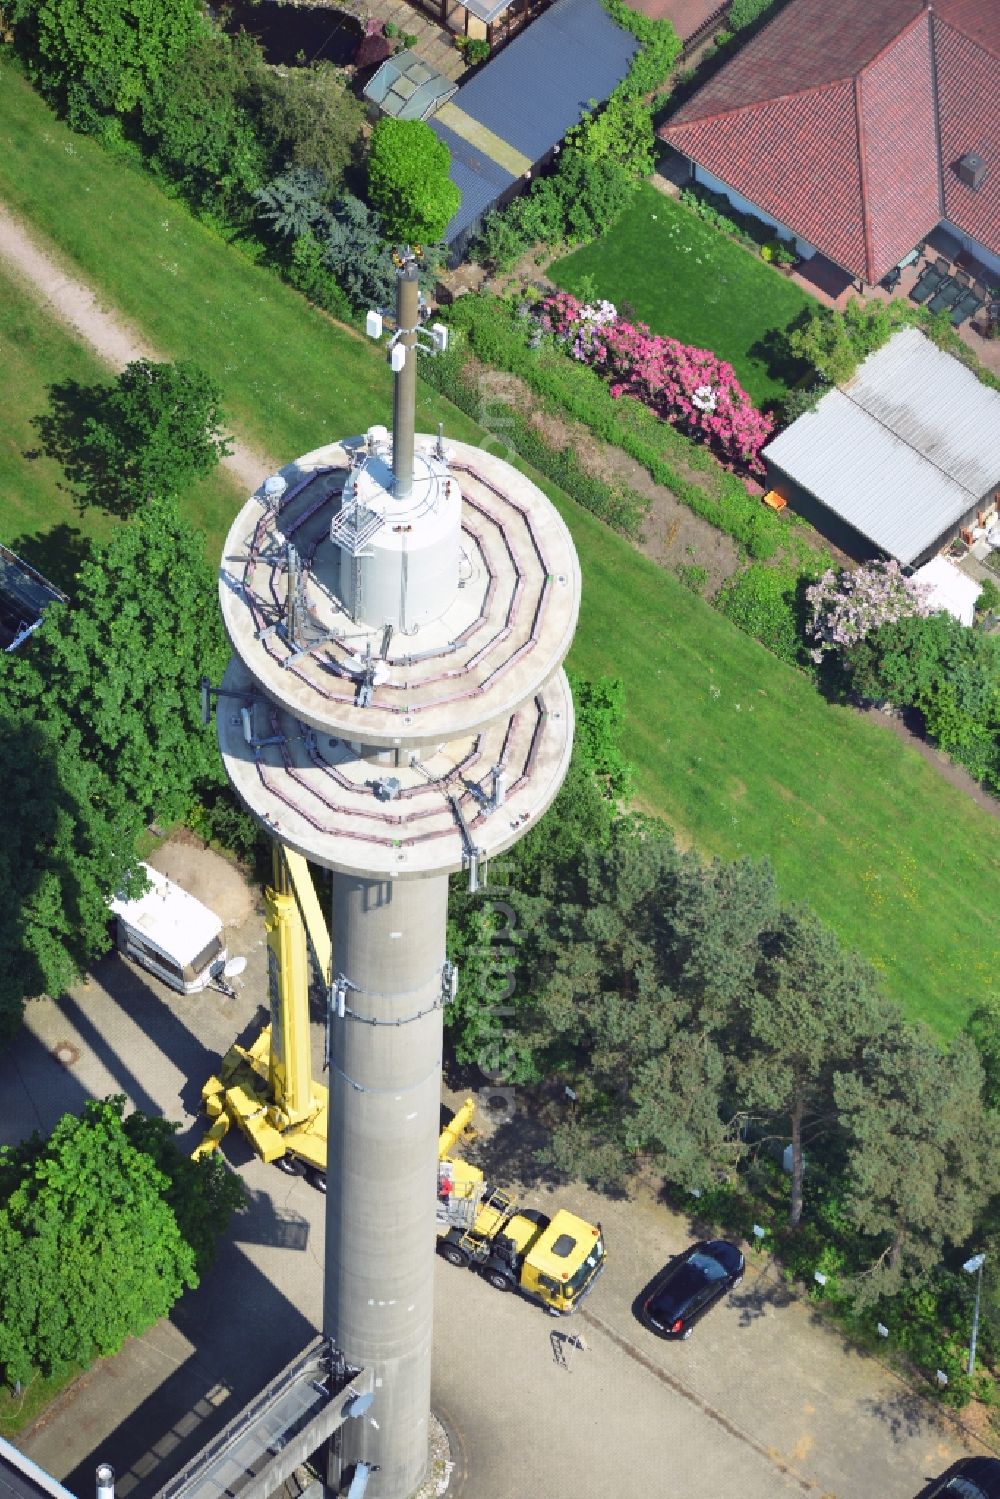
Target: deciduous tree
{"type": "Point", "coordinates": [119, 666]}
{"type": "Point", "coordinates": [146, 435]}
{"type": "Point", "coordinates": [201, 120]}
{"type": "Point", "coordinates": [110, 51]}
{"type": "Point", "coordinates": [91, 1249]}
{"type": "Point", "coordinates": [408, 181]}
{"type": "Point", "coordinates": [69, 840]}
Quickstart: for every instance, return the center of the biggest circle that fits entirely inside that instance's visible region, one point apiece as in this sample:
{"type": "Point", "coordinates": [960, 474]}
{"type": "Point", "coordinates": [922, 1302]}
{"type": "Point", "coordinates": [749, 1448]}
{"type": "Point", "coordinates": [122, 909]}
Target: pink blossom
{"type": "Point", "coordinates": [679, 383]}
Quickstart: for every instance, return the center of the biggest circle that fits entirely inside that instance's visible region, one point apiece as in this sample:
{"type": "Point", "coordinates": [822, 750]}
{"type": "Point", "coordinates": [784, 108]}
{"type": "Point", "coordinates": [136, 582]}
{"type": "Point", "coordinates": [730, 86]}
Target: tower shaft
{"type": "Point", "coordinates": [385, 1089]}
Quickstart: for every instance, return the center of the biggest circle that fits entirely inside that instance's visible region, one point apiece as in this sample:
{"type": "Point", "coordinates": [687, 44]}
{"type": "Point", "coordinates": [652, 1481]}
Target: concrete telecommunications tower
{"type": "Point", "coordinates": [395, 710]}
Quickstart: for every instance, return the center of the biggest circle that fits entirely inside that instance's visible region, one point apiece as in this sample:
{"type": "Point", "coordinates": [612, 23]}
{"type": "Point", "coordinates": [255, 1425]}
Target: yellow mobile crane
{"type": "Point", "coordinates": [554, 1261]}
{"type": "Point", "coordinates": [268, 1089]}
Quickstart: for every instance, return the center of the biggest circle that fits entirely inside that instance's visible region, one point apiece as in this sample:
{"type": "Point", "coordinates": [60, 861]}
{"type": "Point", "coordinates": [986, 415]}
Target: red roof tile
{"type": "Point", "coordinates": [968, 78]}
{"type": "Point", "coordinates": [826, 121]}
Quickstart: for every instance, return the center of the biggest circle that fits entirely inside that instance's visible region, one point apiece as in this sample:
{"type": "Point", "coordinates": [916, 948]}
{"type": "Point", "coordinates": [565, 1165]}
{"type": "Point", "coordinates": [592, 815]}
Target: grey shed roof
{"type": "Point", "coordinates": [541, 83]}
{"type": "Point", "coordinates": [531, 94]}
{"type": "Point", "coordinates": [479, 179]}
{"type": "Point", "coordinates": [905, 449]}
{"type": "Point", "coordinates": [408, 88]}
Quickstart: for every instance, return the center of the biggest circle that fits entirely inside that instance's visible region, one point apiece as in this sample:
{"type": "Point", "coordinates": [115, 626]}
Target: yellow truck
{"type": "Point", "coordinates": [554, 1261]}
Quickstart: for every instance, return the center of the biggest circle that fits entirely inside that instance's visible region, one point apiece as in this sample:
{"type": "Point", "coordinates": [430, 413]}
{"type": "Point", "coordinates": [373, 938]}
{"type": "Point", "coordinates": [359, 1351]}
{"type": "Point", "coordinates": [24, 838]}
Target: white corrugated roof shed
{"type": "Point", "coordinates": [950, 589]}
{"type": "Point", "coordinates": [906, 448]}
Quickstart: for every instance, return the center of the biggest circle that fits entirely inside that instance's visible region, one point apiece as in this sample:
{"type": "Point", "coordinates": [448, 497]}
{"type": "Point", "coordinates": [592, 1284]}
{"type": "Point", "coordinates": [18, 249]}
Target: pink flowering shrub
{"type": "Point", "coordinates": [681, 384]}
{"type": "Point", "coordinates": [847, 606]}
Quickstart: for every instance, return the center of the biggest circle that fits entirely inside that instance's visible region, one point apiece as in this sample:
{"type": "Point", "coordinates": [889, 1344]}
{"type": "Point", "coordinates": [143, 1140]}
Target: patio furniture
{"type": "Point", "coordinates": [891, 278]}
{"type": "Point", "coordinates": [946, 296]}
{"type": "Point", "coordinates": [927, 284]}
{"type": "Point", "coordinates": [966, 306]}
{"type": "Point", "coordinates": [963, 278]}
{"type": "Point", "coordinates": [942, 265]}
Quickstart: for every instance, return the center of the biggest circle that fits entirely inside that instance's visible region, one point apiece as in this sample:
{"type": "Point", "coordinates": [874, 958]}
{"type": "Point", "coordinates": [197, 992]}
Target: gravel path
{"type": "Point", "coordinates": [37, 266]}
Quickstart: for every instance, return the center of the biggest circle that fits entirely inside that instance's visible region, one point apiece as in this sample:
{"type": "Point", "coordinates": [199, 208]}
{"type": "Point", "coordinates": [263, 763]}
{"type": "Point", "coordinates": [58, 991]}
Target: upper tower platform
{"type": "Point", "coordinates": [394, 654]}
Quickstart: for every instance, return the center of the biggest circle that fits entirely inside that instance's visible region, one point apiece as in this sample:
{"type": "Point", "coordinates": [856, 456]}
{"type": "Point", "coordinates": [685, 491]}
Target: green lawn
{"type": "Point", "coordinates": [38, 516]}
{"type": "Point", "coordinates": [735, 749]}
{"type": "Point", "coordinates": [687, 280]}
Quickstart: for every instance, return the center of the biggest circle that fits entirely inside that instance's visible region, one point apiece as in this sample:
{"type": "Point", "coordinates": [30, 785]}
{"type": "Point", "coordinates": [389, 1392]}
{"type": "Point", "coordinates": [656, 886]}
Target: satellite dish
{"type": "Point", "coordinates": [359, 1405]}
{"type": "Point", "coordinates": [234, 967]}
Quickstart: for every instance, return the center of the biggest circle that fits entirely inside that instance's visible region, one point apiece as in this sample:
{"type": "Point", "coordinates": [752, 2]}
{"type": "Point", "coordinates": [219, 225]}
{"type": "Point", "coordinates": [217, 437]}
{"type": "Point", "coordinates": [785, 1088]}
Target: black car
{"type": "Point", "coordinates": [972, 1478]}
{"type": "Point", "coordinates": [690, 1284]}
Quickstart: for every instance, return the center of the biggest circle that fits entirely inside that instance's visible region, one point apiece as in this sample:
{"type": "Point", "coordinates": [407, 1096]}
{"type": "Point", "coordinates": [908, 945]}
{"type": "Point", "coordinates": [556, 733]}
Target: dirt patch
{"type": "Point", "coordinates": [672, 535]}
{"type": "Point", "coordinates": [207, 876]}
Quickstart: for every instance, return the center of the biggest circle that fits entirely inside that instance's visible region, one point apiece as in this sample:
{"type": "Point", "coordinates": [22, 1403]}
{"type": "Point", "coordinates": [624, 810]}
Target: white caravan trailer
{"type": "Point", "coordinates": [172, 934]}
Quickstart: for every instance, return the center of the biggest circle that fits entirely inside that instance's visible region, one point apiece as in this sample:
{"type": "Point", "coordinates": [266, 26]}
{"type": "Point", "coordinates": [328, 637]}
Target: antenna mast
{"type": "Point", "coordinates": [404, 365]}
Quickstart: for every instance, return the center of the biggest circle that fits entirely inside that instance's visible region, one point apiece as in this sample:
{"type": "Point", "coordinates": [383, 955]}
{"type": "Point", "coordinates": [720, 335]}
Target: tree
{"type": "Point", "coordinates": [68, 844]}
{"type": "Point", "coordinates": [983, 1025]}
{"type": "Point", "coordinates": [809, 1010]}
{"type": "Point", "coordinates": [91, 1249]}
{"type": "Point", "coordinates": [355, 251]}
{"type": "Point", "coordinates": [593, 195]}
{"type": "Point", "coordinates": [103, 53]}
{"type": "Point", "coordinates": [200, 118]}
{"type": "Point", "coordinates": [923, 1154]}
{"type": "Point", "coordinates": [621, 132]}
{"type": "Point", "coordinates": [408, 181]}
{"type": "Point", "coordinates": [117, 671]}
{"type": "Point", "coordinates": [949, 672]}
{"type": "Point", "coordinates": [309, 118]}
{"type": "Point", "coordinates": [834, 343]}
{"type": "Point", "coordinates": [295, 203]}
{"type": "Point", "coordinates": [203, 1195]}
{"type": "Point", "coordinates": [849, 605]}
{"type": "Point", "coordinates": [100, 730]}
{"type": "Point", "coordinates": [625, 999]}
{"type": "Point", "coordinates": [149, 433]}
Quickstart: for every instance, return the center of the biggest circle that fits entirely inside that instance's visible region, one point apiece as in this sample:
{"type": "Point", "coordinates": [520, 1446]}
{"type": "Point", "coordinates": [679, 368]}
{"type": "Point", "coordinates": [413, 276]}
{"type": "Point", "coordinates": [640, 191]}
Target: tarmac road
{"type": "Point", "coordinates": [764, 1401]}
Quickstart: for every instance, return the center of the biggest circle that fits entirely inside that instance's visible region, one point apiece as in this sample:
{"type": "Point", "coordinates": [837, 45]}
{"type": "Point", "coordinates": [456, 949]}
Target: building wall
{"type": "Point", "coordinates": [844, 536]}
{"type": "Point", "coordinates": [985, 257]}
{"type": "Point", "coordinates": [743, 205]}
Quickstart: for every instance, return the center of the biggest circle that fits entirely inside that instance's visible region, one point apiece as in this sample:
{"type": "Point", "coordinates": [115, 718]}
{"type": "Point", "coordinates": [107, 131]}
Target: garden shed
{"type": "Point", "coordinates": [504, 123]}
{"type": "Point", "coordinates": [898, 460]}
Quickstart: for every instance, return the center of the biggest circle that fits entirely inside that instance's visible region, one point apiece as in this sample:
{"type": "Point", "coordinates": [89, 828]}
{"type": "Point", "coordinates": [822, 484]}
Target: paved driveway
{"type": "Point", "coordinates": [762, 1402]}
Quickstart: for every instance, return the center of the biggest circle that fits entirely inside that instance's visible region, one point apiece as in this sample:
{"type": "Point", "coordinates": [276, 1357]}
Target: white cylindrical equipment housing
{"type": "Point", "coordinates": [404, 573]}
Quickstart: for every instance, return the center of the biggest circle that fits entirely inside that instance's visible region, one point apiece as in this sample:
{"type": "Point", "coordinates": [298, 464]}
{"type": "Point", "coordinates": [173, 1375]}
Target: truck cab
{"type": "Point", "coordinates": [561, 1262]}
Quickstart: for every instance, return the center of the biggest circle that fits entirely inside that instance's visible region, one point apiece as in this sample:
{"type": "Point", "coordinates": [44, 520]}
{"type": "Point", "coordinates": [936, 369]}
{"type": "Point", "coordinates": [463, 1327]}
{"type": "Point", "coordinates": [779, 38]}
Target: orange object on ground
{"type": "Point", "coordinates": [774, 500]}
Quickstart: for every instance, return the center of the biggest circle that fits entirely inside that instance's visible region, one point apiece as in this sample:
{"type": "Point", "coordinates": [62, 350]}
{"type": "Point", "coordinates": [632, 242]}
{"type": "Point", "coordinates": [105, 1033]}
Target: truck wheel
{"type": "Point", "coordinates": [290, 1165]}
{"type": "Point", "coordinates": [498, 1280]}
{"type": "Point", "coordinates": [454, 1255]}
{"type": "Point", "coordinates": [316, 1178]}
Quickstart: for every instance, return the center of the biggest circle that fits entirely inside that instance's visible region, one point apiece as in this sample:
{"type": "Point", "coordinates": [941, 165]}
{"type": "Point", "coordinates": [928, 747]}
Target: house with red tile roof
{"type": "Point", "coordinates": [857, 127]}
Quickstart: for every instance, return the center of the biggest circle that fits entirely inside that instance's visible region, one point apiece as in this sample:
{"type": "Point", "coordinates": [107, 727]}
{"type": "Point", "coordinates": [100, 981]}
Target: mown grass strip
{"type": "Point", "coordinates": [734, 748]}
